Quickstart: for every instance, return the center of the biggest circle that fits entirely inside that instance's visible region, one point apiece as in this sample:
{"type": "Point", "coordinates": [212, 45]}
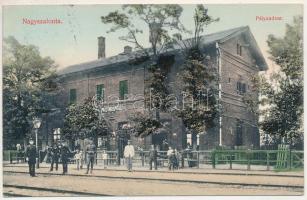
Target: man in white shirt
{"type": "Point", "coordinates": [169, 151]}
{"type": "Point", "coordinates": [168, 154]}
{"type": "Point", "coordinates": [128, 154]}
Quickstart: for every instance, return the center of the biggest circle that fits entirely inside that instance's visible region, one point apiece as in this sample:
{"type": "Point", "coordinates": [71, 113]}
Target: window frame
{"type": "Point", "coordinates": [100, 96]}
{"type": "Point", "coordinates": [72, 98]}
{"type": "Point", "coordinates": [123, 89]}
{"type": "Point", "coordinates": [241, 88]}
{"type": "Point", "coordinates": [239, 49]}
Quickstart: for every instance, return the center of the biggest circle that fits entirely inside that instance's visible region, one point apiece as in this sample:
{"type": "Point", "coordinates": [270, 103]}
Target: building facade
{"type": "Point", "coordinates": [121, 85]}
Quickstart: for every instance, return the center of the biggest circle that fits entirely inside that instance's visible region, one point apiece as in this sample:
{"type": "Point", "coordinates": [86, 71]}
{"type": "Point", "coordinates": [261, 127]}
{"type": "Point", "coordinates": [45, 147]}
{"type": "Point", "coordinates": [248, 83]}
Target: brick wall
{"type": "Point", "coordinates": [234, 68]}
{"type": "Point", "coordinates": [237, 68]}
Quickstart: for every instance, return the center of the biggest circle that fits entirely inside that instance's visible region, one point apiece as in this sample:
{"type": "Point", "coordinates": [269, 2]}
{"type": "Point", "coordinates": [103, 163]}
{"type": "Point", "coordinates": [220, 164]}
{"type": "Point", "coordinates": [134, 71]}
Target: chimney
{"type": "Point", "coordinates": [127, 49]}
{"type": "Point", "coordinates": [101, 47]}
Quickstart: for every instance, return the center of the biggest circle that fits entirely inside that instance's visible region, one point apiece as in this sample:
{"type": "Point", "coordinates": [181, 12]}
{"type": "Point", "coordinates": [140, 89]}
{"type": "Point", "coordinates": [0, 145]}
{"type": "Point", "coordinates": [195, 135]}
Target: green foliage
{"type": "Point", "coordinates": [201, 19]}
{"type": "Point", "coordinates": [28, 87]}
{"type": "Point", "coordinates": [282, 94]}
{"type": "Point", "coordinates": [198, 77]}
{"type": "Point", "coordinates": [158, 18]}
{"type": "Point", "coordinates": [199, 80]}
{"type": "Point", "coordinates": [287, 52]}
{"type": "Point", "coordinates": [144, 125]}
{"type": "Point", "coordinates": [161, 19]}
{"type": "Point", "coordinates": [157, 90]}
{"type": "Point", "coordinates": [84, 121]}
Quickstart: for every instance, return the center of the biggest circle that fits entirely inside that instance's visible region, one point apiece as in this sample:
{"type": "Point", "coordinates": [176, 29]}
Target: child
{"type": "Point", "coordinates": [78, 158]}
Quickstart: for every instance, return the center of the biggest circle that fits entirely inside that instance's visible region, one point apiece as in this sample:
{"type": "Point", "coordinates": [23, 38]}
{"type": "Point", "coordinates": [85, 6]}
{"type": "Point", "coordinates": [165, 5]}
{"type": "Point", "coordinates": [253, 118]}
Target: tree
{"type": "Point", "coordinates": [199, 77]}
{"type": "Point", "coordinates": [159, 19]}
{"type": "Point", "coordinates": [144, 125]}
{"type": "Point", "coordinates": [27, 85]}
{"type": "Point", "coordinates": [282, 94]}
{"type": "Point", "coordinates": [84, 121]}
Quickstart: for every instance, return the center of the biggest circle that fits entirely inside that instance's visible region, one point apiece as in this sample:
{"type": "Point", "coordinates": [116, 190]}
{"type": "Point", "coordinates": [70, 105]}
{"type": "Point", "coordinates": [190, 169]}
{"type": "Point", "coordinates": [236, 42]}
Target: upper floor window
{"type": "Point", "coordinates": [241, 88]}
{"type": "Point", "coordinates": [239, 50]}
{"type": "Point", "coordinates": [100, 92]}
{"type": "Point", "coordinates": [123, 89]}
{"type": "Point", "coordinates": [72, 96]}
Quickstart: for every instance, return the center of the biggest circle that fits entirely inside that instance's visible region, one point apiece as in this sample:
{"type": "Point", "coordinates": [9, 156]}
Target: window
{"type": "Point", "coordinates": [56, 134]}
{"type": "Point", "coordinates": [241, 88]}
{"type": "Point", "coordinates": [123, 89]}
{"type": "Point", "coordinates": [100, 92]}
{"type": "Point", "coordinates": [239, 49]}
{"type": "Point", "coordinates": [72, 96]}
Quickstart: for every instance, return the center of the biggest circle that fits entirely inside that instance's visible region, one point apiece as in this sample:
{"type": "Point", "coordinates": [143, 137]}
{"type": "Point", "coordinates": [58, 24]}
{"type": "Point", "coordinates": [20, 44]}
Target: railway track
{"type": "Point", "coordinates": [25, 191]}
{"type": "Point", "coordinates": [231, 184]}
{"type": "Point", "coordinates": [189, 172]}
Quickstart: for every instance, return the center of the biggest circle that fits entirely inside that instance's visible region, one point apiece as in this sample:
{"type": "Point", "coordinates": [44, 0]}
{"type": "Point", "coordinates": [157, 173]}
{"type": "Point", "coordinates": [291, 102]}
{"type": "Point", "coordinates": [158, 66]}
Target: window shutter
{"type": "Point", "coordinates": [123, 89]}
{"type": "Point", "coordinates": [239, 87]}
{"type": "Point", "coordinates": [72, 95]}
{"type": "Point", "coordinates": [100, 92]}
{"type": "Point", "coordinates": [238, 49]}
{"type": "Point", "coordinates": [243, 88]}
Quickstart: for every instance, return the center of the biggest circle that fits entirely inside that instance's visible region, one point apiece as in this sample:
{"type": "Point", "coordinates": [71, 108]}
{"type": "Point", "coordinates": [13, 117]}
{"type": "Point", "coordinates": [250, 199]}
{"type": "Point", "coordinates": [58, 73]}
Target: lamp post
{"type": "Point", "coordinates": [37, 123]}
{"type": "Point", "coordinates": [175, 142]}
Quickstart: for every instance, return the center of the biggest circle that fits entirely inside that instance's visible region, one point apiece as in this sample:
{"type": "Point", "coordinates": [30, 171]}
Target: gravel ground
{"type": "Point", "coordinates": [220, 169]}
{"type": "Point", "coordinates": [121, 187]}
{"type": "Point", "coordinates": [242, 179]}
{"type": "Point", "coordinates": [17, 191]}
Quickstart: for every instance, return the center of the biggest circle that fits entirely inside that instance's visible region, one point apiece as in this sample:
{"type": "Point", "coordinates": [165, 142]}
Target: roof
{"type": "Point", "coordinates": [206, 40]}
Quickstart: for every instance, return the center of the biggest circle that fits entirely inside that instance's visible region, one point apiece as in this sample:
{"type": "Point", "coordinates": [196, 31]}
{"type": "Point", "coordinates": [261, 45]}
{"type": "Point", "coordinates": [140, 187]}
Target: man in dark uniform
{"type": "Point", "coordinates": [55, 154]}
{"type": "Point", "coordinates": [31, 157]}
{"type": "Point", "coordinates": [153, 156]}
{"type": "Point", "coordinates": [91, 153]}
{"type": "Point", "coordinates": [65, 152]}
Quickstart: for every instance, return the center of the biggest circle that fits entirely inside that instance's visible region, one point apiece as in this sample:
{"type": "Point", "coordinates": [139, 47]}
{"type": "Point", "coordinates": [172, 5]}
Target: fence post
{"type": "Point", "coordinates": [197, 159]}
{"type": "Point", "coordinates": [118, 158]}
{"type": "Point", "coordinates": [143, 158]}
{"type": "Point", "coordinates": [10, 157]}
{"type": "Point", "coordinates": [267, 161]}
{"type": "Point", "coordinates": [213, 159]}
{"type": "Point", "coordinates": [96, 158]}
{"type": "Point", "coordinates": [230, 160]}
{"type": "Point", "coordinates": [248, 160]}
{"type": "Point", "coordinates": [182, 159]}
{"type": "Point", "coordinates": [292, 159]}
{"type": "Point", "coordinates": [289, 159]}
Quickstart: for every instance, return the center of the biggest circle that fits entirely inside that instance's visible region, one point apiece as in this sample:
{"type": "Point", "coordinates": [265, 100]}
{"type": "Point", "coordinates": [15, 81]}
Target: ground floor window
{"type": "Point", "coordinates": [56, 134]}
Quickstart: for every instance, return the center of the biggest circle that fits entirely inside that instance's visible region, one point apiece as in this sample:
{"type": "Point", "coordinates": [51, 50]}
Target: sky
{"type": "Point", "coordinates": [75, 40]}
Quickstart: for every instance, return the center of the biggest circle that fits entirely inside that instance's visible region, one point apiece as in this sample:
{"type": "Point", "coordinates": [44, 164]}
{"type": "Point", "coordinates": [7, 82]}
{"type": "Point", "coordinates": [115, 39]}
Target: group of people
{"type": "Point", "coordinates": [172, 155]}
{"type": "Point", "coordinates": [61, 153]}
